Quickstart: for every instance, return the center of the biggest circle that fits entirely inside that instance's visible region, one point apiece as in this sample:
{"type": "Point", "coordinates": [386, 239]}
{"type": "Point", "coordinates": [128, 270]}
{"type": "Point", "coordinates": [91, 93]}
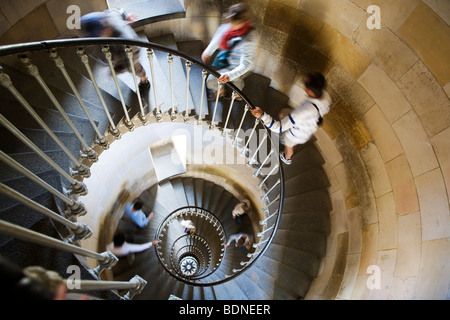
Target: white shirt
{"type": "Point", "coordinates": [127, 248]}
{"type": "Point", "coordinates": [301, 124]}
{"type": "Point", "coordinates": [187, 224]}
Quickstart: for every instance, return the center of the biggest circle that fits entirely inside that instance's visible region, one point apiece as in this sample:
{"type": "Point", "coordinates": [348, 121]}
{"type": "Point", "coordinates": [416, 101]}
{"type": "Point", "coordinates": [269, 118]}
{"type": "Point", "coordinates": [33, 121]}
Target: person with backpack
{"type": "Point", "coordinates": [236, 41]}
{"type": "Point", "coordinates": [300, 125]}
{"type": "Point", "coordinates": [115, 23]}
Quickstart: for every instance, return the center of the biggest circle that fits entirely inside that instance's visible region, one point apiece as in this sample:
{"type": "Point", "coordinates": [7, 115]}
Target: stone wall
{"type": "Point", "coordinates": [385, 141]}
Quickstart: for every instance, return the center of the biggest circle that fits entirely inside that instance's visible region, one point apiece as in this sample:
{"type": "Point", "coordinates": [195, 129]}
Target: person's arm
{"type": "Point", "coordinates": [247, 59]}
{"type": "Point", "coordinates": [232, 238]}
{"type": "Point", "coordinates": [134, 247]}
{"type": "Point", "coordinates": [272, 124]}
{"type": "Point", "coordinates": [215, 41]}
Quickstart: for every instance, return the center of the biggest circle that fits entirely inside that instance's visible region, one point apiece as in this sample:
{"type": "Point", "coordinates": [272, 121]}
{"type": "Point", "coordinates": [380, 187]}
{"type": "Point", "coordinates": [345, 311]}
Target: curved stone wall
{"type": "Point", "coordinates": [386, 140]}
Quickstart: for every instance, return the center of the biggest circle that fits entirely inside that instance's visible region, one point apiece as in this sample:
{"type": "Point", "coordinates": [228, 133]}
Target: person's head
{"type": "Point", "coordinates": [237, 13]}
{"type": "Point", "coordinates": [315, 84]}
{"type": "Point", "coordinates": [119, 240]}
{"type": "Point", "coordinates": [94, 24]}
{"type": "Point", "coordinates": [138, 206]}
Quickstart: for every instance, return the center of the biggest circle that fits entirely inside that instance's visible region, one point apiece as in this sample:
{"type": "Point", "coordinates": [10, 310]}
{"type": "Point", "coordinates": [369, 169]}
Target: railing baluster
{"type": "Point", "coordinates": [236, 139]}
{"type": "Point", "coordinates": [272, 202]}
{"type": "Point", "coordinates": [252, 160]}
{"type": "Point", "coordinates": [213, 119]}
{"type": "Point", "coordinates": [202, 98]}
{"type": "Point", "coordinates": [130, 54]}
{"type": "Point", "coordinates": [188, 73]}
{"type": "Point", "coordinates": [77, 187]}
{"type": "Point", "coordinates": [106, 259]}
{"type": "Point", "coordinates": [233, 98]}
{"type": "Point", "coordinates": [81, 231]}
{"type": "Point", "coordinates": [6, 82]}
{"type": "Point", "coordinates": [244, 150]}
{"type": "Point", "coordinates": [270, 173]}
{"type": "Point", "coordinates": [158, 115]}
{"type": "Point", "coordinates": [263, 222]}
{"type": "Point", "coordinates": [76, 208]}
{"type": "Point", "coordinates": [85, 59]}
{"type": "Point", "coordinates": [265, 195]}
{"type": "Point", "coordinates": [263, 163]}
{"type": "Point", "coordinates": [173, 113]}
{"type": "Point", "coordinates": [263, 232]}
{"type": "Point", "coordinates": [127, 121]}
{"type": "Point", "coordinates": [102, 142]}
{"type": "Point", "coordinates": [34, 72]}
{"type": "Point", "coordinates": [257, 245]}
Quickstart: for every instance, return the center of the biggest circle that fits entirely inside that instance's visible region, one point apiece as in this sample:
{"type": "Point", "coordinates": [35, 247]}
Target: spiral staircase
{"type": "Point", "coordinates": [291, 205]}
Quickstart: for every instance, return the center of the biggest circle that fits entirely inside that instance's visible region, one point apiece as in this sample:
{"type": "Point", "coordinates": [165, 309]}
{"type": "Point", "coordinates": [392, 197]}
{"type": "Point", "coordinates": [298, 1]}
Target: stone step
{"type": "Point", "coordinates": [53, 77]}
{"type": "Point", "coordinates": [103, 77]}
{"type": "Point", "coordinates": [28, 187]}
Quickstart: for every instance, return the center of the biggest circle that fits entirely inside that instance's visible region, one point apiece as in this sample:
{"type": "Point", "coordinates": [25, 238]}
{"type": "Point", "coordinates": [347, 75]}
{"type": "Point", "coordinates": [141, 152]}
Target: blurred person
{"type": "Point", "coordinates": [188, 226]}
{"type": "Point", "coordinates": [241, 209]}
{"type": "Point", "coordinates": [236, 39]}
{"type": "Point", "coordinates": [300, 125]}
{"type": "Point", "coordinates": [121, 248]}
{"type": "Point", "coordinates": [241, 240]}
{"type": "Point", "coordinates": [115, 23]}
{"type": "Point", "coordinates": [134, 212]}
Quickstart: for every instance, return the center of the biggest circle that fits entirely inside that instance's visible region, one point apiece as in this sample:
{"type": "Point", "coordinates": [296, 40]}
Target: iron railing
{"type": "Point", "coordinates": [271, 179]}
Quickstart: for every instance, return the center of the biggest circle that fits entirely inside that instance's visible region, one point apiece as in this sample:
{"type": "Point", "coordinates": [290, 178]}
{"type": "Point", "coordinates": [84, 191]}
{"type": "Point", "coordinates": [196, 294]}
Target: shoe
{"type": "Point", "coordinates": [144, 87]}
{"type": "Point", "coordinates": [286, 161]}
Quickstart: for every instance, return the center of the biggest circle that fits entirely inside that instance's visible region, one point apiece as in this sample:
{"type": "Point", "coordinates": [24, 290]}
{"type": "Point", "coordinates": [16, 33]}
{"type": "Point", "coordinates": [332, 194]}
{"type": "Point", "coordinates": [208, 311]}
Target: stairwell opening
{"type": "Point", "coordinates": [127, 185]}
{"type": "Point", "coordinates": [217, 188]}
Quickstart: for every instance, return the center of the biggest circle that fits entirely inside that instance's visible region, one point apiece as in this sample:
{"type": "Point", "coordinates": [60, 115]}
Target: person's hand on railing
{"type": "Point", "coordinates": [257, 112]}
{"type": "Point", "coordinates": [224, 78]}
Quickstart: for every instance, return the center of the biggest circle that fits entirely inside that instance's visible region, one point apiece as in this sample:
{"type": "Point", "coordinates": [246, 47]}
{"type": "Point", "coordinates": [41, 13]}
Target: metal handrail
{"type": "Point", "coordinates": [176, 212]}
{"type": "Point", "coordinates": [83, 42]}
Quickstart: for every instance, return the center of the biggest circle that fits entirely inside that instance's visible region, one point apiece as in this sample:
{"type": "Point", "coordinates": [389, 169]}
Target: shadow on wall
{"type": "Point", "coordinates": [298, 49]}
